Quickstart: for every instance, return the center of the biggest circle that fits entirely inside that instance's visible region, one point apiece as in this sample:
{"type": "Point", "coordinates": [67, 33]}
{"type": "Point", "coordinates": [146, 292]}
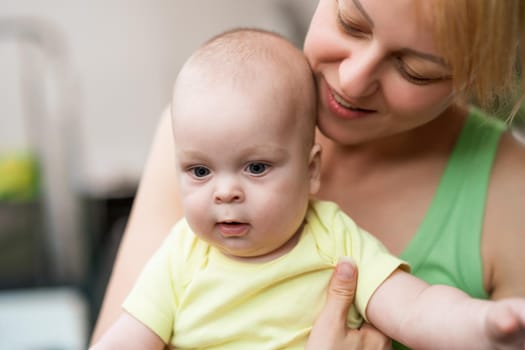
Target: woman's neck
{"type": "Point", "coordinates": [393, 180]}
{"type": "Point", "coordinates": [435, 138]}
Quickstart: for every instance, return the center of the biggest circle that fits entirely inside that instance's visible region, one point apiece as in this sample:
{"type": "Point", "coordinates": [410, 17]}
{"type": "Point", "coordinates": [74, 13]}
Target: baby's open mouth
{"type": "Point", "coordinates": [233, 228]}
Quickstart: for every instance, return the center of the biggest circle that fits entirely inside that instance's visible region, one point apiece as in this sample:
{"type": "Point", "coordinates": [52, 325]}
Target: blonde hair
{"type": "Point", "coordinates": [483, 41]}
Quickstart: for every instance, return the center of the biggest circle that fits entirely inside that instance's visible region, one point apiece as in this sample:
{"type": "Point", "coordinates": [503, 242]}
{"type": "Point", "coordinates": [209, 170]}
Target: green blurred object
{"type": "Point", "coordinates": [19, 177]}
{"type": "Point", "coordinates": [21, 225]}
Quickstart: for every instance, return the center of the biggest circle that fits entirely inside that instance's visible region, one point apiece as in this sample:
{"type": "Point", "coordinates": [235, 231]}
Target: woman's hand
{"type": "Point", "coordinates": [330, 331]}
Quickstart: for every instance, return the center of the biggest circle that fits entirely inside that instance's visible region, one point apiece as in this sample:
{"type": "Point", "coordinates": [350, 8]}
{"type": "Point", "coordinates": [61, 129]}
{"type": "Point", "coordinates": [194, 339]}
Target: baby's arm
{"type": "Point", "coordinates": [128, 333]}
{"type": "Point", "coordinates": [440, 317]}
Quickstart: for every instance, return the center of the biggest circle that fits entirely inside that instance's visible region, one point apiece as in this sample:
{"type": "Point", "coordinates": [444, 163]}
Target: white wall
{"type": "Point", "coordinates": [123, 57]}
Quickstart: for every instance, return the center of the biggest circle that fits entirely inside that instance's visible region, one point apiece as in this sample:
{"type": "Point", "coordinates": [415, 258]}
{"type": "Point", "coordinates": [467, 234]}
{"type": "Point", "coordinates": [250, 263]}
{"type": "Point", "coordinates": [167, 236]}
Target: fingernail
{"type": "Point", "coordinates": [345, 268]}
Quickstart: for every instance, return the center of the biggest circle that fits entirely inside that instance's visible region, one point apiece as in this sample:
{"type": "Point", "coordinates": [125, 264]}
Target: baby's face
{"type": "Point", "coordinates": [244, 171]}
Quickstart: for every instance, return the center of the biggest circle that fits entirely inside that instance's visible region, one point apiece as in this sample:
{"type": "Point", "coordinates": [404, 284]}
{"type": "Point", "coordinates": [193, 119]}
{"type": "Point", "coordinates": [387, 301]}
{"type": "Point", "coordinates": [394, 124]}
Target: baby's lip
{"type": "Point", "coordinates": [232, 228]}
{"type": "Point", "coordinates": [231, 222]}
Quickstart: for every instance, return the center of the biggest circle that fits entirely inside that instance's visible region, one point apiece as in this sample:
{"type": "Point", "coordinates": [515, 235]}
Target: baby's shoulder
{"type": "Point", "coordinates": [334, 231]}
{"type": "Point", "coordinates": [329, 217]}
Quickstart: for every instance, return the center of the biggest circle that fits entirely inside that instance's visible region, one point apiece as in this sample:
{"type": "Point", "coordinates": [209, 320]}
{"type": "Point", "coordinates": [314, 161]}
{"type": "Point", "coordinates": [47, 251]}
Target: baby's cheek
{"type": "Point", "coordinates": [196, 208]}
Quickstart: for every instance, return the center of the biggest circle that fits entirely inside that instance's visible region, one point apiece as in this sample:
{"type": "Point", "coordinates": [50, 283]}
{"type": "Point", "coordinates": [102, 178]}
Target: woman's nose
{"type": "Point", "coordinates": [228, 191]}
{"type": "Point", "coordinates": [359, 72]}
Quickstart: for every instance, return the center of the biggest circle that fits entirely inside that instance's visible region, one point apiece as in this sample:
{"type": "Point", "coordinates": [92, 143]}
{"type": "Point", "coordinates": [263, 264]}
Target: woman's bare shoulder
{"type": "Point", "coordinates": [504, 225]}
{"type": "Point", "coordinates": [508, 174]}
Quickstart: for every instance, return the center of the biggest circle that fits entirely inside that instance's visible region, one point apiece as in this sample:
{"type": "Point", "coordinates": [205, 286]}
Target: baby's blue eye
{"type": "Point", "coordinates": [200, 171]}
{"type": "Point", "coordinates": [257, 168]}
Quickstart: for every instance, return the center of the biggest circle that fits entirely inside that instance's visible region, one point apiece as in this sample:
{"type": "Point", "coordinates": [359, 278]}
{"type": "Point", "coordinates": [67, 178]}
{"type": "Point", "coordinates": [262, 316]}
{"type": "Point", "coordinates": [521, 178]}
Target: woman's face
{"type": "Point", "coordinates": [377, 70]}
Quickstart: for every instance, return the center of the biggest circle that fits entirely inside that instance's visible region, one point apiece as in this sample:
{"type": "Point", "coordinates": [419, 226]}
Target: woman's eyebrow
{"type": "Point", "coordinates": [363, 13]}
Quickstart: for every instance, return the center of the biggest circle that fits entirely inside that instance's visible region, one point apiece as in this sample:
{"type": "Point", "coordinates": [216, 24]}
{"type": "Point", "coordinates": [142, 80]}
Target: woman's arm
{"type": "Point", "coordinates": [128, 333]}
{"type": "Point", "coordinates": [155, 209]}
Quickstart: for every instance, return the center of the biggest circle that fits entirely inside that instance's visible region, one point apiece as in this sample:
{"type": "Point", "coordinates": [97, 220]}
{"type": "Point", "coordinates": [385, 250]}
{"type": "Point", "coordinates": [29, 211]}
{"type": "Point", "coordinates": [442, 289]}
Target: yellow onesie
{"type": "Point", "coordinates": [194, 297]}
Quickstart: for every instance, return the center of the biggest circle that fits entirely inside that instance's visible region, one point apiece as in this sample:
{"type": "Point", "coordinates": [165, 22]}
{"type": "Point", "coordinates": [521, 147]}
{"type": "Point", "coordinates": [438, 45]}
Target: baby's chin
{"type": "Point", "coordinates": [264, 253]}
{"type": "Point", "coordinates": [252, 255]}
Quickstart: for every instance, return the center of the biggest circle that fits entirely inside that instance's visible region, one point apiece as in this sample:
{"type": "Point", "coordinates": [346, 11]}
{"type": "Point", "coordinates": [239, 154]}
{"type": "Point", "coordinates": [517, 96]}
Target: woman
{"type": "Point", "coordinates": [438, 183]}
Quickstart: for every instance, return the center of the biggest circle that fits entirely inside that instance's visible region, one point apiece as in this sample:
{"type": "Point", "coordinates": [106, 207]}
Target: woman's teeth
{"type": "Point", "coordinates": [343, 103]}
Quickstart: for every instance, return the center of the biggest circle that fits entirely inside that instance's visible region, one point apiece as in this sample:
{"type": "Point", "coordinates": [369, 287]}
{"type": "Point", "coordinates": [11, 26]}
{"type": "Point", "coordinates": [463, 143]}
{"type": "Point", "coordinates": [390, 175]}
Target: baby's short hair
{"type": "Point", "coordinates": [241, 55]}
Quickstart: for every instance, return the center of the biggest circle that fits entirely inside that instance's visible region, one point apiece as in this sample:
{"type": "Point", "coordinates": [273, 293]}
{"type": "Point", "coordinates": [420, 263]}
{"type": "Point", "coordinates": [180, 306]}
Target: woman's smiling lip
{"type": "Point", "coordinates": [233, 229]}
{"type": "Point", "coordinates": [341, 107]}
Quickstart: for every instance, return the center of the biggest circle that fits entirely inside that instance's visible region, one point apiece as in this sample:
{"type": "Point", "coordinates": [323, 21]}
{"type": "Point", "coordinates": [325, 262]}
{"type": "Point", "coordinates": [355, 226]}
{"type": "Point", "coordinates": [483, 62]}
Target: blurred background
{"type": "Point", "coordinates": [82, 89]}
{"type": "Point", "coordinates": [83, 86]}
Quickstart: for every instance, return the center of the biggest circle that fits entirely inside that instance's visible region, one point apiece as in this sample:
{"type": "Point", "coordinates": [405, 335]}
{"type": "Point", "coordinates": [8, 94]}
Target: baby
{"type": "Point", "coordinates": [248, 266]}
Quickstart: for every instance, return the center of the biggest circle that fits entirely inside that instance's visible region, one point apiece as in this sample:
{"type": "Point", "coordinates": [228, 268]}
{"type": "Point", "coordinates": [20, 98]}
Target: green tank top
{"type": "Point", "coordinates": [446, 249]}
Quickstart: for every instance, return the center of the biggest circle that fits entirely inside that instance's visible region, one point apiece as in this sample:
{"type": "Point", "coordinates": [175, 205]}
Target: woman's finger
{"type": "Point", "coordinates": [329, 330]}
{"type": "Point", "coordinates": [341, 291]}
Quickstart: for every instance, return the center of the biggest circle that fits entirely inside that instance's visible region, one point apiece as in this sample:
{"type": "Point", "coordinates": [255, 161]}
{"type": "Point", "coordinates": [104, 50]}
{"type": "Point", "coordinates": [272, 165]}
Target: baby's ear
{"type": "Point", "coordinates": [314, 168]}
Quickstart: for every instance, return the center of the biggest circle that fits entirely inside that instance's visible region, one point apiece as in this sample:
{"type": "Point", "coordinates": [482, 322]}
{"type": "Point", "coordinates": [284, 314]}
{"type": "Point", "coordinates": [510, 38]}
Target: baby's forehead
{"type": "Point", "coordinates": [235, 108]}
{"type": "Point", "coordinates": [246, 92]}
{"type": "Point", "coordinates": [227, 108]}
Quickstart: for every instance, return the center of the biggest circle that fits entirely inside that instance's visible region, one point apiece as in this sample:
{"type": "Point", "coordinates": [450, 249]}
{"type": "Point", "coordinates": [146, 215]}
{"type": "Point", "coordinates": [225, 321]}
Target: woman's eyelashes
{"type": "Point", "coordinates": [412, 76]}
{"type": "Point", "coordinates": [350, 27]}
{"type": "Point", "coordinates": [357, 30]}
{"type": "Point", "coordinates": [409, 74]}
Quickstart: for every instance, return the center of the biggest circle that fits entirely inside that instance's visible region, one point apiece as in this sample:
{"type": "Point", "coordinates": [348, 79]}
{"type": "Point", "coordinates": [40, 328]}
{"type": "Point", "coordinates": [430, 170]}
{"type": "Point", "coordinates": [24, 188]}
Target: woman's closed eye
{"type": "Point", "coordinates": [412, 76]}
{"type": "Point", "coordinates": [350, 27]}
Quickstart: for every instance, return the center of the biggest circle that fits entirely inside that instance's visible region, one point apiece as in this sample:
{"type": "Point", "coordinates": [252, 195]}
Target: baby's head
{"type": "Point", "coordinates": [243, 114]}
{"type": "Point", "coordinates": [252, 62]}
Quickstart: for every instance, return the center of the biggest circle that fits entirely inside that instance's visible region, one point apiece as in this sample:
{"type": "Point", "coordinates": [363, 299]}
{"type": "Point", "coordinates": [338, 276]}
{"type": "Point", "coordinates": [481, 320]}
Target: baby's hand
{"type": "Point", "coordinates": [505, 324]}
